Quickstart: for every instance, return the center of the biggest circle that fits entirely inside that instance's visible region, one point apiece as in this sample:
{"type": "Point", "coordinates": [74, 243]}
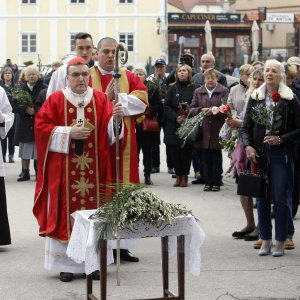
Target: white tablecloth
{"type": "Point", "coordinates": [82, 244]}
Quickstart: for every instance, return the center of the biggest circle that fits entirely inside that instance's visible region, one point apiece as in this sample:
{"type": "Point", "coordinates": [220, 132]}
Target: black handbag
{"type": "Point", "coordinates": [195, 135]}
{"type": "Point", "coordinates": [252, 185]}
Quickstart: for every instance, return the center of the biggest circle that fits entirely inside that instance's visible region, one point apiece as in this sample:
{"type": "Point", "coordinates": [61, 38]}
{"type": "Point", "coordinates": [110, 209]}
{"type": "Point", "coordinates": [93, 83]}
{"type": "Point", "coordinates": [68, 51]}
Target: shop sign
{"type": "Point", "coordinates": [279, 52]}
{"type": "Point", "coordinates": [280, 18]}
{"type": "Point", "coordinates": [202, 18]}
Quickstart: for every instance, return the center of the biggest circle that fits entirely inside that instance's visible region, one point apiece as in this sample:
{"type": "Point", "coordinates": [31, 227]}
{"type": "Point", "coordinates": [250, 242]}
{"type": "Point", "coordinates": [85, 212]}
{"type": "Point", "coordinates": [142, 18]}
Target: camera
{"type": "Point", "coordinates": [187, 59]}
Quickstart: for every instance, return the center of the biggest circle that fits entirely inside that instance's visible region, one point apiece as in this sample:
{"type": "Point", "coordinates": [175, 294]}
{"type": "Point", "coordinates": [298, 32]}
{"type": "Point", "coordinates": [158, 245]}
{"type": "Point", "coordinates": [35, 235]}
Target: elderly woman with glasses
{"type": "Point", "coordinates": [268, 141]}
{"type": "Point", "coordinates": [24, 132]}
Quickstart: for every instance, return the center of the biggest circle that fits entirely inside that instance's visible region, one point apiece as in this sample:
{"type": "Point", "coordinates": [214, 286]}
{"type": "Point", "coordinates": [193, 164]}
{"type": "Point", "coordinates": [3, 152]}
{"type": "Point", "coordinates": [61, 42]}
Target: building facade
{"type": "Point", "coordinates": [279, 35]}
{"type": "Point", "coordinates": [279, 30]}
{"type": "Point", "coordinates": [230, 34]}
{"type": "Point", "coordinates": [43, 30]}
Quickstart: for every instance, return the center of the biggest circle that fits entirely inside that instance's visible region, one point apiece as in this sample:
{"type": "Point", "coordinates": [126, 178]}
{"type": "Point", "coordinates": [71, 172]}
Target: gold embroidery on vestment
{"type": "Point", "coordinates": [82, 186]}
{"type": "Point", "coordinates": [82, 161]}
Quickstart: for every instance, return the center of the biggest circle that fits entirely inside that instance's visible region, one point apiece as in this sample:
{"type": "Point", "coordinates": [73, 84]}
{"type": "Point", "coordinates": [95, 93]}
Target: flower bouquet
{"type": "Point", "coordinates": [268, 115]}
{"type": "Point", "coordinates": [132, 204]}
{"type": "Point", "coordinates": [183, 108]}
{"type": "Point", "coordinates": [230, 144]}
{"type": "Point", "coordinates": [21, 97]}
{"type": "Point", "coordinates": [228, 136]}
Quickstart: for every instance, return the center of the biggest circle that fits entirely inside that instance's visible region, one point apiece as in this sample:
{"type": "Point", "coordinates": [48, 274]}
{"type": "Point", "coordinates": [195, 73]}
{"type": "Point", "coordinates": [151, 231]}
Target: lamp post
{"type": "Point", "coordinates": [158, 24]}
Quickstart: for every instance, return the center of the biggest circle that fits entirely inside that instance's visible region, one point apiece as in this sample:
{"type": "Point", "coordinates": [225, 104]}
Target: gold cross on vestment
{"type": "Point", "coordinates": [85, 122]}
{"type": "Point", "coordinates": [82, 161]}
{"type": "Point", "coordinates": [82, 186]}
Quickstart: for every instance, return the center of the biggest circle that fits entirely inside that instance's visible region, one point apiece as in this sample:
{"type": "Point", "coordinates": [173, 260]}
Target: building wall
{"type": "Point", "coordinates": [55, 20]}
{"type": "Point", "coordinates": [283, 34]}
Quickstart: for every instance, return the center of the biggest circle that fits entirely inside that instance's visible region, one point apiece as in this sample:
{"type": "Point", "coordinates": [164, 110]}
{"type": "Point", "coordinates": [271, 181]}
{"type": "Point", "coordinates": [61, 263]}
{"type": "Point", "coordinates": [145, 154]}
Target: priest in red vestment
{"type": "Point", "coordinates": [74, 129]}
{"type": "Point", "coordinates": [134, 97]}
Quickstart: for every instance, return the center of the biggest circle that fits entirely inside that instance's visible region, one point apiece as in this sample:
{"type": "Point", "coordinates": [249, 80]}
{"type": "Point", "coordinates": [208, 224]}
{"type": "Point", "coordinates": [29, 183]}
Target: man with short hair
{"type": "Point", "coordinates": [83, 47]}
{"type": "Point", "coordinates": [207, 62]}
{"type": "Point", "coordinates": [295, 60]}
{"type": "Point", "coordinates": [74, 129]}
{"type": "Point", "coordinates": [133, 94]}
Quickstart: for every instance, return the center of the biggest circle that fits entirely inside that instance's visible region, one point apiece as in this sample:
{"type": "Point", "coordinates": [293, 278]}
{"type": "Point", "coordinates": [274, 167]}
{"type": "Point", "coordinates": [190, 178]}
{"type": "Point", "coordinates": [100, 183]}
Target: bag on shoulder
{"type": "Point", "coordinates": [150, 125]}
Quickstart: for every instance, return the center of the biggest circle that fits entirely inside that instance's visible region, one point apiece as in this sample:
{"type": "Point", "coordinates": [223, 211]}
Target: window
{"type": "Point", "coordinates": [28, 1]}
{"type": "Point", "coordinates": [127, 38]}
{"type": "Point", "coordinates": [72, 41]}
{"type": "Point", "coordinates": [28, 42]}
{"type": "Point", "coordinates": [126, 1]}
{"type": "Point", "coordinates": [77, 1]}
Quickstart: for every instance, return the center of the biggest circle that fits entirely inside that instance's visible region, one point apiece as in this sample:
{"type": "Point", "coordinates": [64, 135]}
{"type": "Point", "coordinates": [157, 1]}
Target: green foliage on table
{"type": "Point", "coordinates": [132, 204]}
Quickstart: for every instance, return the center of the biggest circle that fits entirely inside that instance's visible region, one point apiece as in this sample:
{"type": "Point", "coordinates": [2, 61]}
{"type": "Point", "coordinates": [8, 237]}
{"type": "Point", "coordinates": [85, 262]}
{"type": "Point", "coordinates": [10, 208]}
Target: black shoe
{"type": "Point", "coordinates": [11, 159]}
{"type": "Point", "coordinates": [207, 188]}
{"type": "Point", "coordinates": [171, 171]}
{"type": "Point", "coordinates": [24, 176]}
{"type": "Point", "coordinates": [241, 234]}
{"type": "Point", "coordinates": [215, 188]}
{"type": "Point", "coordinates": [96, 275]}
{"type": "Point", "coordinates": [66, 277]}
{"type": "Point", "coordinates": [250, 238]}
{"type": "Point", "coordinates": [148, 179]}
{"type": "Point", "coordinates": [125, 255]}
{"type": "Point", "coordinates": [174, 176]}
{"type": "Point", "coordinates": [198, 181]}
{"type": "Point", "coordinates": [4, 159]}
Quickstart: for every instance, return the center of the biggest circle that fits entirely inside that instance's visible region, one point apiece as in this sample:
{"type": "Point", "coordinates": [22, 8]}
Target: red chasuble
{"type": "Point", "coordinates": [69, 182]}
{"type": "Point", "coordinates": [129, 84]}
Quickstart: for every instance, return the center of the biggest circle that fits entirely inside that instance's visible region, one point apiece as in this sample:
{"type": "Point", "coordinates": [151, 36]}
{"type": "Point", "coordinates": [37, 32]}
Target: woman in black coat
{"type": "Point", "coordinates": [7, 82]}
{"type": "Point", "coordinates": [24, 132]}
{"type": "Point", "coordinates": [271, 146]}
{"type": "Point", "coordinates": [178, 99]}
{"type": "Point", "coordinates": [146, 140]}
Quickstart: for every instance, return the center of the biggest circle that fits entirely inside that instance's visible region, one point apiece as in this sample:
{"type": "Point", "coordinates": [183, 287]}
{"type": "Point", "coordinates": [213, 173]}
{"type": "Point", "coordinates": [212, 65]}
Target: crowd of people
{"type": "Point", "coordinates": [72, 113]}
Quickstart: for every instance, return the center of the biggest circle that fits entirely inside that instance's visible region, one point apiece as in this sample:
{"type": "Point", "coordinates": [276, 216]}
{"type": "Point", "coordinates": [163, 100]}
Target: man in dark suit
{"type": "Point", "coordinates": [208, 61]}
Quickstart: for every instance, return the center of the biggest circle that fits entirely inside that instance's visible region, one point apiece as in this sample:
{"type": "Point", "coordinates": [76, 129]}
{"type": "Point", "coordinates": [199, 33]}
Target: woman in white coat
{"type": "Point", "coordinates": [6, 122]}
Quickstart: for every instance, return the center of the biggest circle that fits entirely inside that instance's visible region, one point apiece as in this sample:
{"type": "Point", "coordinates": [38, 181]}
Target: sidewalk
{"type": "Point", "coordinates": [231, 269]}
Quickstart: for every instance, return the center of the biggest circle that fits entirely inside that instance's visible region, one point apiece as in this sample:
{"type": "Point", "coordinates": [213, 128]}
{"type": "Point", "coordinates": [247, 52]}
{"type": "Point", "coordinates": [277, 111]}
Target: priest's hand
{"type": "Point", "coordinates": [110, 92]}
{"type": "Point", "coordinates": [79, 132]}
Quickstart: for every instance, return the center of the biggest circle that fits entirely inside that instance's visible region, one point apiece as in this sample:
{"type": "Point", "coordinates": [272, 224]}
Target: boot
{"type": "Point", "coordinates": [184, 181]}
{"type": "Point", "coordinates": [178, 181]}
{"type": "Point", "coordinates": [22, 172]}
{"type": "Point", "coordinates": [148, 179]}
{"type": "Point", "coordinates": [24, 176]}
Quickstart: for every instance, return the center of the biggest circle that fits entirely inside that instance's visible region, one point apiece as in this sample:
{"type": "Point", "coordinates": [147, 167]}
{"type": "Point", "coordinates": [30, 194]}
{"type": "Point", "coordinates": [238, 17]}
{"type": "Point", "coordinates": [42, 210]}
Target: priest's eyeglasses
{"type": "Point", "coordinates": [78, 74]}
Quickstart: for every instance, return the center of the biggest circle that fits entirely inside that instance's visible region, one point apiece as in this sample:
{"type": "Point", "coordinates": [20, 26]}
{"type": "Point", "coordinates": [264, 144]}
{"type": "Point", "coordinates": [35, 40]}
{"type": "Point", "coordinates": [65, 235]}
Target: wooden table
{"type": "Point", "coordinates": [183, 237]}
{"type": "Point", "coordinates": [167, 294]}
